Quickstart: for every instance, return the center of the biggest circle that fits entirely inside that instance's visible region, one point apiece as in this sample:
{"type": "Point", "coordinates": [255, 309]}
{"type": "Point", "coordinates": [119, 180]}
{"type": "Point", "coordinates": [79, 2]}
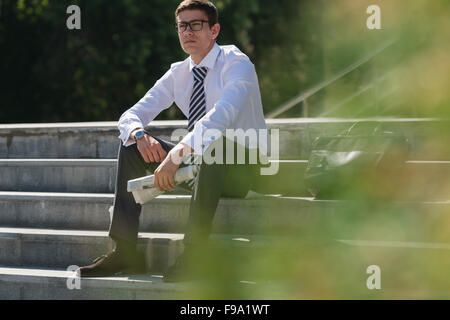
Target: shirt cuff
{"type": "Point", "coordinates": [125, 135]}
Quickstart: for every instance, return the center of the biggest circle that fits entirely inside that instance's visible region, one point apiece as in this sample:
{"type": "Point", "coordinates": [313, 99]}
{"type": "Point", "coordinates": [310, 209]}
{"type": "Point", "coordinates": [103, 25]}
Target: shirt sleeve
{"type": "Point", "coordinates": [240, 83]}
{"type": "Point", "coordinates": [158, 98]}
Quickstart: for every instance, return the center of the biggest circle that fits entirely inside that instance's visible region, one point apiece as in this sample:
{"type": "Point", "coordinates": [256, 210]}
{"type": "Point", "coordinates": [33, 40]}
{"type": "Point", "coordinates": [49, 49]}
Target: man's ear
{"type": "Point", "coordinates": [215, 30]}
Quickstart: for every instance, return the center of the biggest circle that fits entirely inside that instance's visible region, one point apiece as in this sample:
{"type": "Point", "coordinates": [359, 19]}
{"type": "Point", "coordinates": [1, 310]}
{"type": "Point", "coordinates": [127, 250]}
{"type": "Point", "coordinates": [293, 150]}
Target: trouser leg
{"type": "Point", "coordinates": [215, 181]}
{"type": "Point", "coordinates": [125, 219]}
{"type": "Point", "coordinates": [203, 204]}
{"type": "Point", "coordinates": [126, 212]}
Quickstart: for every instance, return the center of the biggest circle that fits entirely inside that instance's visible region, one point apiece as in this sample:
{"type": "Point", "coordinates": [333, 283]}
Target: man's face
{"type": "Point", "coordinates": [197, 43]}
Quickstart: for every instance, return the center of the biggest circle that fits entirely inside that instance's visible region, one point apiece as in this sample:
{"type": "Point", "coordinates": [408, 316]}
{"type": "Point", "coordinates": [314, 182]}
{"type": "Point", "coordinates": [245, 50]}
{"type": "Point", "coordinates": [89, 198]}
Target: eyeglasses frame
{"type": "Point", "coordinates": [188, 23]}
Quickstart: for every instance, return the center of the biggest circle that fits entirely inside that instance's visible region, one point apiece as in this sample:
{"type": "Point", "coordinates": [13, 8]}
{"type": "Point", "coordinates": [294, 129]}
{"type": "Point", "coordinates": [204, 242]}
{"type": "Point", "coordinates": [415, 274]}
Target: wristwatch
{"type": "Point", "coordinates": [139, 134]}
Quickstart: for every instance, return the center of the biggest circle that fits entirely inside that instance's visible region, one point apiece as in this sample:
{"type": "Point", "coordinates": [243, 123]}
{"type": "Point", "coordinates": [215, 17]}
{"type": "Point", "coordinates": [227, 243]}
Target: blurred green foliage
{"type": "Point", "coordinates": [407, 79]}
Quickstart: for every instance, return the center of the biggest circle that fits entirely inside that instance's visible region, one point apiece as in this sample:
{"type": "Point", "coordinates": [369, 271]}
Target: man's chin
{"type": "Point", "coordinates": [189, 49]}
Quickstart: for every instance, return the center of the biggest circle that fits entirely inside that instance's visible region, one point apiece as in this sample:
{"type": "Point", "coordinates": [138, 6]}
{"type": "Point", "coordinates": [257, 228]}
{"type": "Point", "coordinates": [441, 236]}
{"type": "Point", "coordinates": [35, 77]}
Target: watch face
{"type": "Point", "coordinates": [139, 134]}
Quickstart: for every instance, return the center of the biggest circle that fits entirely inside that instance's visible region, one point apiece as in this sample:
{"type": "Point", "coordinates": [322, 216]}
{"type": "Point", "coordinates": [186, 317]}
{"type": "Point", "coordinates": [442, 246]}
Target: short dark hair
{"type": "Point", "coordinates": [206, 6]}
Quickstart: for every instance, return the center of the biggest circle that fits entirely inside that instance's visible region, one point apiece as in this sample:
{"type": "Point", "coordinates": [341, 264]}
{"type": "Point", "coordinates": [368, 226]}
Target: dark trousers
{"type": "Point", "coordinates": [214, 181]}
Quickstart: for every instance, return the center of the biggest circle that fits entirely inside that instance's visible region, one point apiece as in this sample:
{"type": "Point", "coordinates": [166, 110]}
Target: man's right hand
{"type": "Point", "coordinates": [150, 149]}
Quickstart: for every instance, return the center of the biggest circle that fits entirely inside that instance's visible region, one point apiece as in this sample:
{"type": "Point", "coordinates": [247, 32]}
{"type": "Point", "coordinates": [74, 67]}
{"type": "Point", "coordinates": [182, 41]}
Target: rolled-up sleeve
{"type": "Point", "coordinates": [158, 98]}
{"type": "Point", "coordinates": [240, 83]}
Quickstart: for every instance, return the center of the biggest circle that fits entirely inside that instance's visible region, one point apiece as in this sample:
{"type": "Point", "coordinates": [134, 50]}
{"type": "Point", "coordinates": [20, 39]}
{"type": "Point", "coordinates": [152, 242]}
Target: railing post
{"type": "Point", "coordinates": [305, 109]}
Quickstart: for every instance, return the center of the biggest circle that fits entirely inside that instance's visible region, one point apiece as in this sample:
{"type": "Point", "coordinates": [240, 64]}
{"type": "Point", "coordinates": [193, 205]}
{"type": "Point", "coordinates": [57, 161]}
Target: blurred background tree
{"type": "Point", "coordinates": [52, 74]}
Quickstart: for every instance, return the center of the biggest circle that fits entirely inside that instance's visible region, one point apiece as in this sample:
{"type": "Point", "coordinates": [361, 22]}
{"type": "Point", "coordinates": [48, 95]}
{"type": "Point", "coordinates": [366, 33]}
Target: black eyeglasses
{"type": "Point", "coordinates": [194, 25]}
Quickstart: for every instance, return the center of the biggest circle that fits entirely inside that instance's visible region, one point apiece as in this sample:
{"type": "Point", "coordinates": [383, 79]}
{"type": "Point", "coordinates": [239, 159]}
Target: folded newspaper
{"type": "Point", "coordinates": [144, 190]}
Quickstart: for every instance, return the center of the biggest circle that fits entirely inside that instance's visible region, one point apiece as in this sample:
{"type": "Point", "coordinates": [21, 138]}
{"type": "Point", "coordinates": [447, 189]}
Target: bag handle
{"type": "Point", "coordinates": [377, 126]}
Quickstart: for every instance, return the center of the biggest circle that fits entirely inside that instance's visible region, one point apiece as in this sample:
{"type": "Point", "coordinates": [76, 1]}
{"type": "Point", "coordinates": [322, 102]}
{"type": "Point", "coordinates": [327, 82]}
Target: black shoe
{"type": "Point", "coordinates": [114, 263]}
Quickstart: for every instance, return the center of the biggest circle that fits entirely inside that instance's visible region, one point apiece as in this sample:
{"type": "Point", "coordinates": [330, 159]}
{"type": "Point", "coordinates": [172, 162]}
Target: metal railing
{"type": "Point", "coordinates": [302, 97]}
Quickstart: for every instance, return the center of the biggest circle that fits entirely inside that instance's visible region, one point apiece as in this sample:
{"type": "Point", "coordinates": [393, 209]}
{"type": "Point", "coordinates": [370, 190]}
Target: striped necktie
{"type": "Point", "coordinates": [197, 104]}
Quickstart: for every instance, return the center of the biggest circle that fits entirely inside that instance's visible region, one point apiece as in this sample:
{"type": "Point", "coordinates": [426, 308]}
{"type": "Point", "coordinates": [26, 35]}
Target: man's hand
{"type": "Point", "coordinates": [150, 149]}
{"type": "Point", "coordinates": [165, 172]}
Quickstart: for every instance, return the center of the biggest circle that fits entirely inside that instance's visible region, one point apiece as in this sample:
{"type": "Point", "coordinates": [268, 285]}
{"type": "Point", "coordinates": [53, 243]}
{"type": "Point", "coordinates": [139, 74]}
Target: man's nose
{"type": "Point", "coordinates": [188, 30]}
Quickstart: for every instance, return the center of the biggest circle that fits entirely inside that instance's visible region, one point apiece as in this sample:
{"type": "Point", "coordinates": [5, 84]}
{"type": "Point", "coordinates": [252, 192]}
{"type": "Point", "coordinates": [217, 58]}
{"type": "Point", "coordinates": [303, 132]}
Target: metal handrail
{"type": "Point", "coordinates": [311, 91]}
{"type": "Point", "coordinates": [357, 93]}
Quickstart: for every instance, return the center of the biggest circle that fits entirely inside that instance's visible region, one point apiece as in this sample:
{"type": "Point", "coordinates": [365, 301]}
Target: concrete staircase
{"type": "Point", "coordinates": [57, 184]}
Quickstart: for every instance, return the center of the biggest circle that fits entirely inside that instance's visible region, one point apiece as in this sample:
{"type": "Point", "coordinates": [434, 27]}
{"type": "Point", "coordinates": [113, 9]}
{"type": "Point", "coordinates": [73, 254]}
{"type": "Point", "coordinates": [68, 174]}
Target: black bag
{"type": "Point", "coordinates": [353, 165]}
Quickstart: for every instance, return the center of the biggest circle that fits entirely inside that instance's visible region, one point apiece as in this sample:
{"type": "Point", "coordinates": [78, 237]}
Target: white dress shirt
{"type": "Point", "coordinates": [233, 99]}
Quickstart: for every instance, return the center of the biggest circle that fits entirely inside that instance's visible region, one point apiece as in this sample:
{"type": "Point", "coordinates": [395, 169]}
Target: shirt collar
{"type": "Point", "coordinates": [207, 61]}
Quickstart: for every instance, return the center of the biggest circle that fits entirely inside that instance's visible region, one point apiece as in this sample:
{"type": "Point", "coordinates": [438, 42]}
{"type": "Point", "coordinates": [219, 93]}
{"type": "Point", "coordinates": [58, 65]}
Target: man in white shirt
{"type": "Point", "coordinates": [217, 89]}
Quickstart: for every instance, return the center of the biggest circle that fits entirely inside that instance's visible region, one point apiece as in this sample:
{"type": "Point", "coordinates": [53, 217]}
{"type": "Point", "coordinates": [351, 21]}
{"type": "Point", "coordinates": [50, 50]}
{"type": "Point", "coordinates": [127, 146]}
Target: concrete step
{"type": "Point", "coordinates": [18, 283]}
{"type": "Point", "coordinates": [94, 140]}
{"type": "Point", "coordinates": [421, 179]}
{"type": "Point", "coordinates": [408, 271]}
{"type": "Point", "coordinates": [59, 140]}
{"type": "Point", "coordinates": [166, 213]}
{"type": "Point", "coordinates": [52, 284]}
{"type": "Point", "coordinates": [98, 176]}
{"type": "Point", "coordinates": [265, 215]}
{"type": "Point", "coordinates": [84, 211]}
{"type": "Point", "coordinates": [51, 248]}
{"type": "Point", "coordinates": [32, 247]}
{"type": "Point", "coordinates": [56, 248]}
{"type": "Point", "coordinates": [58, 175]}
{"type": "Point", "coordinates": [306, 216]}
